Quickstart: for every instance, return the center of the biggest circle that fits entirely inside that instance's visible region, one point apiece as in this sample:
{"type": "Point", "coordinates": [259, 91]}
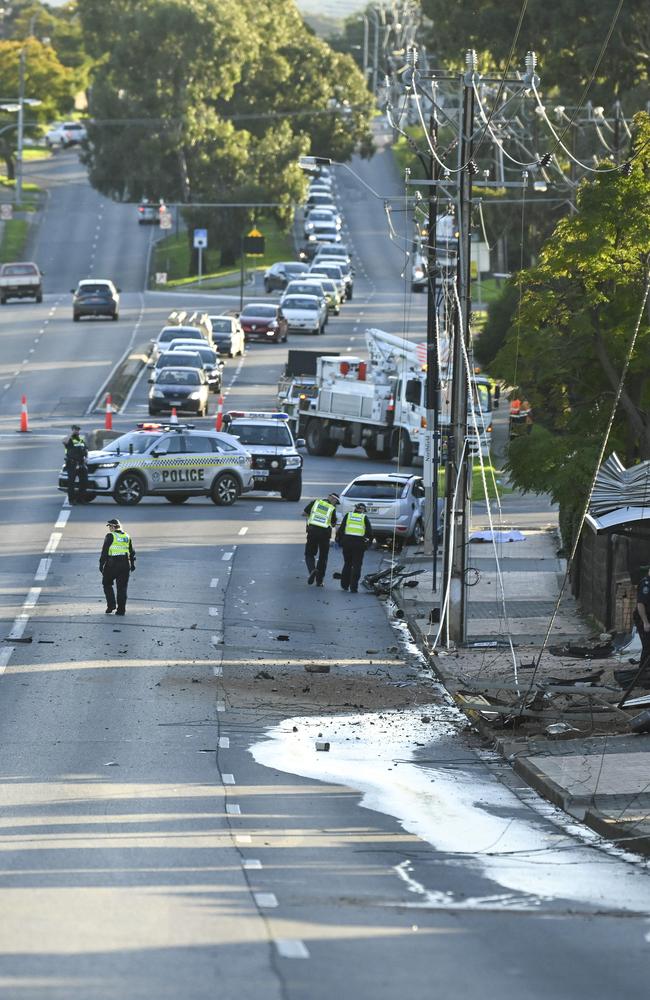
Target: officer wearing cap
{"type": "Point", "coordinates": [116, 562]}
{"type": "Point", "coordinates": [76, 457]}
{"type": "Point", "coordinates": [354, 536]}
{"type": "Point", "coordinates": [321, 518]}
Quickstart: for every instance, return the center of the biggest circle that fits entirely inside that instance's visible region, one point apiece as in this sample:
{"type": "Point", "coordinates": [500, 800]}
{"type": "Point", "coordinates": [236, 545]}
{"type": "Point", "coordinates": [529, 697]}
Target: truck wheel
{"type": "Point", "coordinates": [129, 490]}
{"type": "Point", "coordinates": [225, 490]}
{"type": "Point", "coordinates": [318, 442]}
{"type": "Point", "coordinates": [293, 492]}
{"type": "Point", "coordinates": [402, 448]}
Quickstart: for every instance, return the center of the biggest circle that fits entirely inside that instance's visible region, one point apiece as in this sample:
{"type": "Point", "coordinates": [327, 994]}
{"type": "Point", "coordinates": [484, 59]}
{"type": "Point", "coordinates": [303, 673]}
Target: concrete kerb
{"type": "Point", "coordinates": [123, 376]}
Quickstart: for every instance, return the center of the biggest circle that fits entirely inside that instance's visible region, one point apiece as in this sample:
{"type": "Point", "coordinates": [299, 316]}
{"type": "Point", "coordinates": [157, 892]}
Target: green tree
{"type": "Point", "coordinates": [567, 347]}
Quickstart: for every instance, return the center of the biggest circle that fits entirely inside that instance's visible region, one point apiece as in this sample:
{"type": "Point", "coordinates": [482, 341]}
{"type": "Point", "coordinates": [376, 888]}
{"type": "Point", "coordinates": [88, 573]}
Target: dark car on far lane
{"type": "Point", "coordinates": [277, 276]}
{"type": "Point", "coordinates": [95, 297]}
{"type": "Point", "coordinates": [263, 321]}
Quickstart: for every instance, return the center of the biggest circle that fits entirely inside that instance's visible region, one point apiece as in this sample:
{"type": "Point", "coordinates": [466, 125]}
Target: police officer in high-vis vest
{"type": "Point", "coordinates": [354, 536]}
{"type": "Point", "coordinates": [116, 561]}
{"type": "Point", "coordinates": [321, 518]}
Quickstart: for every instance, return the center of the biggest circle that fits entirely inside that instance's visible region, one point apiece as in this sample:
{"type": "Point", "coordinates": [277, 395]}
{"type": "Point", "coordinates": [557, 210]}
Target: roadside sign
{"type": "Point", "coordinates": [6, 212]}
{"type": "Point", "coordinates": [165, 220]}
{"type": "Point", "coordinates": [254, 243]}
{"type": "Point", "coordinates": [161, 277]}
{"type": "Point", "coordinates": [200, 239]}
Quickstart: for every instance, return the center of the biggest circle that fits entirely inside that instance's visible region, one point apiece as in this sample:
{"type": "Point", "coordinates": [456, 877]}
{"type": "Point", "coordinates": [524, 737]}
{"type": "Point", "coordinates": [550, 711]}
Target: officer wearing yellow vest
{"type": "Point", "coordinates": [321, 518]}
{"type": "Point", "coordinates": [116, 562]}
{"type": "Point", "coordinates": [354, 536]}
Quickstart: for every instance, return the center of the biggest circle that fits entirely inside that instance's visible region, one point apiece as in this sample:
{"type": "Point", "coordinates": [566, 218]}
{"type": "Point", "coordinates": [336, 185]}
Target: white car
{"type": "Point", "coordinates": [321, 215]}
{"type": "Point", "coordinates": [66, 134]}
{"type": "Point", "coordinates": [303, 313]}
{"type": "Point", "coordinates": [334, 273]}
{"type": "Point", "coordinates": [227, 335]}
{"type": "Point", "coordinates": [418, 273]}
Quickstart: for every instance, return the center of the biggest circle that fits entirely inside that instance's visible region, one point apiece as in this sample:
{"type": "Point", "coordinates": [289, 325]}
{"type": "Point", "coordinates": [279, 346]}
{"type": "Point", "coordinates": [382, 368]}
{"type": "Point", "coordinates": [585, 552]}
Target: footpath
{"type": "Point", "coordinates": [553, 716]}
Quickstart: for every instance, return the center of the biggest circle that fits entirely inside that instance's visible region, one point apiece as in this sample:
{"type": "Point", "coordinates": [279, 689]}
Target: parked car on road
{"type": "Point", "coordinates": [263, 321]}
{"type": "Point", "coordinates": [22, 280]}
{"type": "Point", "coordinates": [182, 388]}
{"type": "Point", "coordinates": [395, 505]}
{"type": "Point", "coordinates": [66, 134]}
{"type": "Point", "coordinates": [95, 297]}
{"type": "Point", "coordinates": [227, 335]}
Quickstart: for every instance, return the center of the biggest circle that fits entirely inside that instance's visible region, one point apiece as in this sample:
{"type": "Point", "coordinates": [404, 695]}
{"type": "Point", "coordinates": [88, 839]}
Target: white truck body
{"type": "Point", "coordinates": [379, 404]}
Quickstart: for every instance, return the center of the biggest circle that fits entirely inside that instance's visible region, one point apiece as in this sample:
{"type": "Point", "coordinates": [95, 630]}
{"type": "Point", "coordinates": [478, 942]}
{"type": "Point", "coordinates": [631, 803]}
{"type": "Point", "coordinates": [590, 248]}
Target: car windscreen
{"type": "Point", "coordinates": [328, 272]}
{"type": "Point", "coordinates": [295, 268]}
{"type": "Point", "coordinates": [135, 442]}
{"type": "Point", "coordinates": [298, 288]}
{"type": "Point", "coordinates": [93, 289]}
{"type": "Point", "coordinates": [13, 270]}
{"type": "Point", "coordinates": [277, 434]}
{"type": "Point", "coordinates": [266, 311]}
{"type": "Point", "coordinates": [173, 376]}
{"type": "Point", "coordinates": [375, 489]}
{"type": "Point", "coordinates": [223, 326]}
{"type": "Point", "coordinates": [300, 302]}
{"type": "Point", "coordinates": [207, 355]}
{"type": "Point", "coordinates": [176, 359]}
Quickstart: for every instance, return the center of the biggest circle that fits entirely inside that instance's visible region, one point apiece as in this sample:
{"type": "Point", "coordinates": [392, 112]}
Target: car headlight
{"type": "Point", "coordinates": [157, 393]}
{"type": "Point", "coordinates": [293, 462]}
{"type": "Point", "coordinates": [195, 395]}
{"type": "Point", "coordinates": [107, 465]}
{"type": "Point", "coordinates": [312, 237]}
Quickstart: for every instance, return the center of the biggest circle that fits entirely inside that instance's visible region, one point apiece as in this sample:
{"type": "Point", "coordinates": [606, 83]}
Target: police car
{"type": "Point", "coordinates": [174, 461]}
{"type": "Point", "coordinates": [277, 466]}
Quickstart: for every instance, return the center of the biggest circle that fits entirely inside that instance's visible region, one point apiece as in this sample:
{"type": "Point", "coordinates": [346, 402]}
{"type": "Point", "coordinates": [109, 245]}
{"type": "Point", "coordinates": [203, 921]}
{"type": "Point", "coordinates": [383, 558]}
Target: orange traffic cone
{"type": "Point", "coordinates": [24, 419]}
{"type": "Point", "coordinates": [108, 419]}
{"type": "Point", "coordinates": [173, 419]}
{"type": "Point", "coordinates": [219, 419]}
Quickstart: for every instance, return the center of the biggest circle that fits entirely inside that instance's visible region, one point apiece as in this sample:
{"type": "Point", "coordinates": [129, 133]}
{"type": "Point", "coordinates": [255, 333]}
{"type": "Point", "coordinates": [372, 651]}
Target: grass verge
{"type": "Point", "coordinates": [14, 237]}
{"type": "Point", "coordinates": [492, 478]}
{"type": "Point", "coordinates": [172, 255]}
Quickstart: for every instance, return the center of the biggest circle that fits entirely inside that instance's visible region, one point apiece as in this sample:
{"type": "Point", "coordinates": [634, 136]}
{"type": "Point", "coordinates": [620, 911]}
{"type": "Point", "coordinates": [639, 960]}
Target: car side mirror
{"type": "Point", "coordinates": [301, 443]}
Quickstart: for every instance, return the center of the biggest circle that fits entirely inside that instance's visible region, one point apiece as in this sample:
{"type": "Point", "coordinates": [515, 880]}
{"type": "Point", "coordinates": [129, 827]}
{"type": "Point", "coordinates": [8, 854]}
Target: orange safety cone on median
{"type": "Point", "coordinates": [108, 419]}
{"type": "Point", "coordinates": [24, 419]}
{"type": "Point", "coordinates": [173, 419]}
{"type": "Point", "coordinates": [219, 419]}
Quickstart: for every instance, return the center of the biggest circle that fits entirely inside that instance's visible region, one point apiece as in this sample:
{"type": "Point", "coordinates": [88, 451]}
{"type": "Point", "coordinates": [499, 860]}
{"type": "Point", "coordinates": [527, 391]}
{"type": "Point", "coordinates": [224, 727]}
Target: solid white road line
{"type": "Point", "coordinates": [43, 569]}
{"type": "Point", "coordinates": [5, 656]}
{"type": "Point", "coordinates": [265, 900]}
{"type": "Point", "coordinates": [291, 948]}
{"type": "Point", "coordinates": [224, 742]}
{"type": "Point", "coordinates": [33, 595]}
{"type": "Point", "coordinates": [18, 627]}
{"type": "Point", "coordinates": [233, 809]}
{"type": "Point", "coordinates": [53, 543]}
{"type": "Point", "coordinates": [62, 519]}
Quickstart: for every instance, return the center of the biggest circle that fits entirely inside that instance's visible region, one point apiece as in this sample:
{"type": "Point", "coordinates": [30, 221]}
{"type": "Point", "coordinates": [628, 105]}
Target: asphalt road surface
{"type": "Point", "coordinates": [168, 828]}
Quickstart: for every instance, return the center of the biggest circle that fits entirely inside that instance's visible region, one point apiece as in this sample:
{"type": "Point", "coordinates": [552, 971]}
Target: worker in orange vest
{"type": "Point", "coordinates": [515, 407]}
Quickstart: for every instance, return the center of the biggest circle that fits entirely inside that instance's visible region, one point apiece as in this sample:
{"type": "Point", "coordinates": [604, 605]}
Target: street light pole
{"type": "Point", "coordinates": [364, 18]}
{"type": "Point", "coordinates": [21, 126]}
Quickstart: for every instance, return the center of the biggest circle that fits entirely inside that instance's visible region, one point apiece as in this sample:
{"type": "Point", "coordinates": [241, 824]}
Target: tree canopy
{"type": "Point", "coordinates": [214, 101]}
{"type": "Point", "coordinates": [569, 340]}
{"type": "Point", "coordinates": [566, 35]}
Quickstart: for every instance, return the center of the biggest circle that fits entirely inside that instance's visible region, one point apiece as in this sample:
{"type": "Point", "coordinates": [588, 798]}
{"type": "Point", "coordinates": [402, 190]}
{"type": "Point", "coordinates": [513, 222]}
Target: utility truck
{"type": "Point", "coordinates": [380, 404]}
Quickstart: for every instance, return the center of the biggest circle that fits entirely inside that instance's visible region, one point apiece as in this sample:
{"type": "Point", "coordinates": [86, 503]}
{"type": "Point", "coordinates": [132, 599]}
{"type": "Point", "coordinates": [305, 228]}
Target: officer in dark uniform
{"type": "Point", "coordinates": [321, 518]}
{"type": "Point", "coordinates": [642, 621]}
{"type": "Point", "coordinates": [76, 458]}
{"type": "Point", "coordinates": [116, 562]}
{"type": "Point", "coordinates": [354, 536]}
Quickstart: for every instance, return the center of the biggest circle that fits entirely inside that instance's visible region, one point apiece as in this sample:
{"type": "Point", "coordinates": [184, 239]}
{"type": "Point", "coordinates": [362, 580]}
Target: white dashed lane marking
{"type": "Point", "coordinates": [217, 671]}
{"type": "Point", "coordinates": [224, 742]}
{"type": "Point", "coordinates": [221, 706]}
{"type": "Point", "coordinates": [19, 626]}
{"type": "Point", "coordinates": [228, 779]}
{"type": "Point", "coordinates": [233, 809]}
{"type": "Point", "coordinates": [43, 569]}
{"type": "Point", "coordinates": [5, 656]}
{"type": "Point", "coordinates": [243, 838]}
{"type": "Point", "coordinates": [251, 864]}
{"type": "Point", "coordinates": [213, 612]}
{"type": "Point", "coordinates": [33, 595]}
{"type": "Point", "coordinates": [62, 519]}
{"type": "Point", "coordinates": [291, 948]}
{"type": "Point", "coordinates": [242, 531]}
{"type": "Point", "coordinates": [214, 582]}
{"type": "Point", "coordinates": [227, 555]}
{"type": "Point", "coordinates": [53, 543]}
{"type": "Point", "coordinates": [265, 900]}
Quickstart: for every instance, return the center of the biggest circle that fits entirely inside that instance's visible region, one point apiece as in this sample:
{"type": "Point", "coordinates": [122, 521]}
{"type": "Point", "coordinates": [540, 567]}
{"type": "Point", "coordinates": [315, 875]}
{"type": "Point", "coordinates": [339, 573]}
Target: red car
{"type": "Point", "coordinates": [263, 321]}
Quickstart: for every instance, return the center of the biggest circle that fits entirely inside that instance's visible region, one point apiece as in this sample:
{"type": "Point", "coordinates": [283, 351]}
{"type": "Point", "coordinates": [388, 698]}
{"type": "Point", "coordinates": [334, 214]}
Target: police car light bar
{"type": "Point", "coordinates": [165, 427]}
{"type": "Point", "coordinates": [256, 415]}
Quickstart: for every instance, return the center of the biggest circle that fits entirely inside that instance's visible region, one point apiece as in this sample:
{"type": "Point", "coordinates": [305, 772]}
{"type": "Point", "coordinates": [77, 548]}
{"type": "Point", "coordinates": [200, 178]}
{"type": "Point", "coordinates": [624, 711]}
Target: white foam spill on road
{"type": "Point", "coordinates": [464, 812]}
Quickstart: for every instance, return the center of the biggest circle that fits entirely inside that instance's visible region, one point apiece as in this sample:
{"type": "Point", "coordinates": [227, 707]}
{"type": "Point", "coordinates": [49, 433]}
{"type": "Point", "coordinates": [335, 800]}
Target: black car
{"type": "Point", "coordinates": [95, 297]}
{"type": "Point", "coordinates": [181, 388]}
{"type": "Point", "coordinates": [211, 364]}
{"type": "Point", "coordinates": [278, 275]}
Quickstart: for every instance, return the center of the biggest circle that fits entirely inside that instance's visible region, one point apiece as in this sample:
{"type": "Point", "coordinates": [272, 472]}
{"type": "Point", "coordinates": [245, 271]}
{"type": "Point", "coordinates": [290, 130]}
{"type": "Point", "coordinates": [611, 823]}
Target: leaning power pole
{"type": "Point", "coordinates": [457, 469]}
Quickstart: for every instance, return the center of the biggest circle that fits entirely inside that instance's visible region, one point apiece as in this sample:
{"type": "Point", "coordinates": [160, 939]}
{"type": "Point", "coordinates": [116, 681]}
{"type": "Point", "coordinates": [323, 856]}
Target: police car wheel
{"type": "Point", "coordinates": [177, 497]}
{"type": "Point", "coordinates": [129, 490]}
{"type": "Point", "coordinates": [225, 490]}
